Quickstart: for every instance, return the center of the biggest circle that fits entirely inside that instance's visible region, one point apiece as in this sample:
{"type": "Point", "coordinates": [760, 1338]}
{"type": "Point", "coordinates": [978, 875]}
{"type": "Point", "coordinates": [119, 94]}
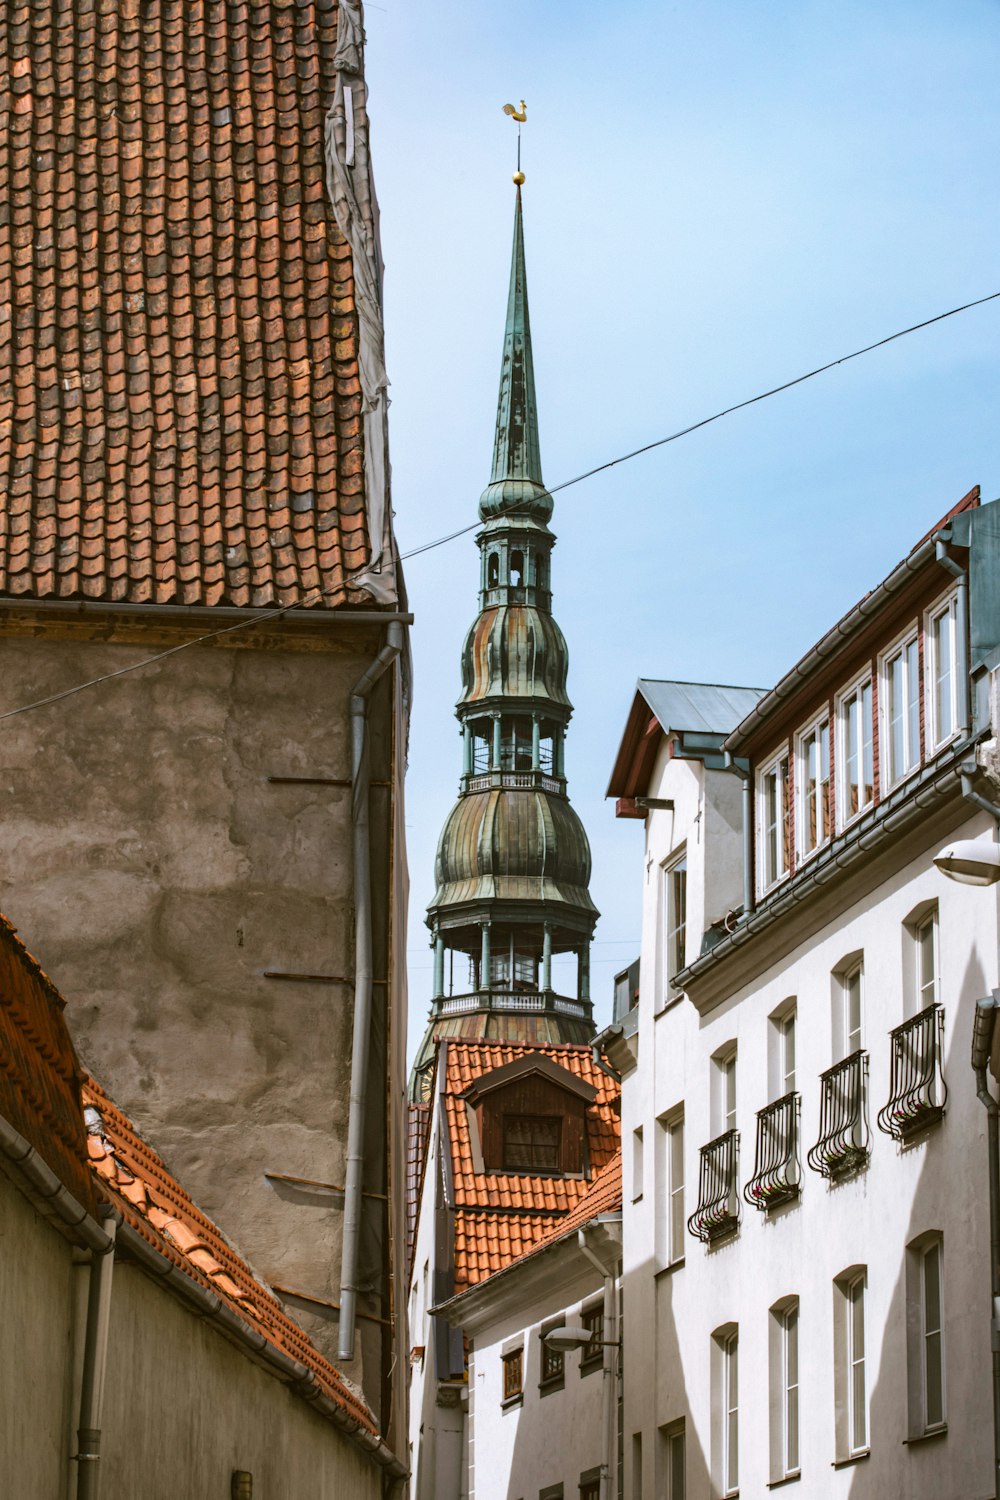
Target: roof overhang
{"type": "Point", "coordinates": [524, 1067]}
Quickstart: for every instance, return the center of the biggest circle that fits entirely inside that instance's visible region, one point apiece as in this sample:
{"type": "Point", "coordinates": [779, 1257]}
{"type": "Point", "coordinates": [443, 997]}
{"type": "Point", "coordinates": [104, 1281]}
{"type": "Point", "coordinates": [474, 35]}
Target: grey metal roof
{"type": "Point", "coordinates": [698, 707]}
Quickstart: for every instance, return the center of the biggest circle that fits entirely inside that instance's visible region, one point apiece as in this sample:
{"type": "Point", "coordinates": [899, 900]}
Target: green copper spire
{"type": "Point", "coordinates": [516, 478]}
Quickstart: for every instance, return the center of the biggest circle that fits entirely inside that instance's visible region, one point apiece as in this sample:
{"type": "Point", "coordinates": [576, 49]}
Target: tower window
{"type": "Point", "coordinates": [493, 571]}
{"type": "Point", "coordinates": [517, 569]}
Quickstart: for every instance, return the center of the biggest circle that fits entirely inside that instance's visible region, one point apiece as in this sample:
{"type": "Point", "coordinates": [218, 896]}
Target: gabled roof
{"type": "Point", "coordinates": [534, 1062]}
{"type": "Point", "coordinates": [499, 1215]}
{"type": "Point", "coordinates": [701, 714]}
{"type": "Point", "coordinates": [180, 394]}
{"type": "Point", "coordinates": [134, 1180]}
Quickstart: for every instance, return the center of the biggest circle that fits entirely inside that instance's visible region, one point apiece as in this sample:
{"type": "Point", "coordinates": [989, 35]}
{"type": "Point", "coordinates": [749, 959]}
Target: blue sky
{"type": "Point", "coordinates": [719, 196]}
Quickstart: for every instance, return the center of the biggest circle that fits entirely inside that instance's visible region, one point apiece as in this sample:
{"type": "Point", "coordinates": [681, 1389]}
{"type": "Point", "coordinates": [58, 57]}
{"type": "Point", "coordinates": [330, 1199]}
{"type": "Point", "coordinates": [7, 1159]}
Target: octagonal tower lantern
{"type": "Point", "coordinates": [513, 861]}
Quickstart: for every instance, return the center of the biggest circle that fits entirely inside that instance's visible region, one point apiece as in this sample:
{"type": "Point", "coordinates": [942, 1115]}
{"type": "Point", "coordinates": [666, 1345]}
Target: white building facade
{"type": "Point", "coordinates": [806, 1223]}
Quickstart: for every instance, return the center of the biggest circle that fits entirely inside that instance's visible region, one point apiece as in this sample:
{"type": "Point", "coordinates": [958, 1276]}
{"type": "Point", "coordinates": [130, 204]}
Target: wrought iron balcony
{"type": "Point", "coordinates": [718, 1211]}
{"type": "Point", "coordinates": [917, 1092]}
{"type": "Point", "coordinates": [776, 1171]}
{"type": "Point", "coordinates": [842, 1148]}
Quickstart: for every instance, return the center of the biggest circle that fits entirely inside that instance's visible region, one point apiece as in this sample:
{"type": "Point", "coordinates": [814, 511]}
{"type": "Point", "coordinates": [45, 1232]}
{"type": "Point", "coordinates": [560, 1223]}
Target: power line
{"type": "Point", "coordinates": [316, 596]}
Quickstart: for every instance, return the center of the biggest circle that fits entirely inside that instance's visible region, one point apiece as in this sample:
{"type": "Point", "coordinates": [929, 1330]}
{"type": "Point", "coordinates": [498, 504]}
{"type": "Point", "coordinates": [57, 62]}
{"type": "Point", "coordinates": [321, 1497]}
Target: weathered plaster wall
{"type": "Point", "coordinates": [146, 857]}
{"type": "Point", "coordinates": [36, 1302]}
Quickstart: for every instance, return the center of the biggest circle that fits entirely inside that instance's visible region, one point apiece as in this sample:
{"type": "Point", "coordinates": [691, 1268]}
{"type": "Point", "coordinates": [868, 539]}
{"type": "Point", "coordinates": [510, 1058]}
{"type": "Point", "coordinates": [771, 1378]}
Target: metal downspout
{"type": "Point", "coordinates": [362, 987]}
{"type": "Point", "coordinates": [95, 1355]}
{"type": "Point", "coordinates": [607, 1367]}
{"type": "Point", "coordinates": [961, 628]}
{"type": "Point", "coordinates": [982, 1034]}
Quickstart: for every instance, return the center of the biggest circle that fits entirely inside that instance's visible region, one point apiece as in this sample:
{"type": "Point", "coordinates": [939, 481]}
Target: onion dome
{"type": "Point", "coordinates": [514, 651]}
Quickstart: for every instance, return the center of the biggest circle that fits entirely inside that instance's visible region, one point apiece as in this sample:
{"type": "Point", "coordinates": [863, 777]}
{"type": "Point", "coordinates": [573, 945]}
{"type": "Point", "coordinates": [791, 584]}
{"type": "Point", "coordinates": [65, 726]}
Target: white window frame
{"type": "Point", "coordinates": [638, 1163]}
{"type": "Point", "coordinates": [673, 1173]}
{"type": "Point", "coordinates": [926, 991]}
{"type": "Point", "coordinates": [803, 740]}
{"type": "Point", "coordinates": [672, 1476]}
{"type": "Point", "coordinates": [731, 1413]}
{"type": "Point", "coordinates": [670, 927]}
{"type": "Point", "coordinates": [933, 736]}
{"type": "Point", "coordinates": [766, 879]}
{"type": "Point", "coordinates": [724, 1097]}
{"type": "Point", "coordinates": [784, 1389]}
{"type": "Point", "coordinates": [890, 775]}
{"type": "Point", "coordinates": [844, 977]}
{"type": "Point", "coordinates": [933, 1247]}
{"type": "Point", "coordinates": [853, 694]}
{"type": "Point", "coordinates": [855, 1291]}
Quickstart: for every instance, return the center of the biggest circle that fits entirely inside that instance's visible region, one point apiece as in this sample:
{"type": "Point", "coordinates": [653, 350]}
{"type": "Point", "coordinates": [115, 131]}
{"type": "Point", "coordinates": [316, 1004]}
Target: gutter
{"type": "Point", "coordinates": [262, 613]}
{"type": "Point", "coordinates": [299, 1377]}
{"type": "Point", "coordinates": [834, 639]}
{"type": "Point", "coordinates": [361, 1044]}
{"type": "Point", "coordinates": [54, 1200]}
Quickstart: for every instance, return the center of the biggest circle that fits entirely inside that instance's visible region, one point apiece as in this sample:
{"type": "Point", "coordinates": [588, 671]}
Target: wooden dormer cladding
{"type": "Point", "coordinates": [531, 1116]}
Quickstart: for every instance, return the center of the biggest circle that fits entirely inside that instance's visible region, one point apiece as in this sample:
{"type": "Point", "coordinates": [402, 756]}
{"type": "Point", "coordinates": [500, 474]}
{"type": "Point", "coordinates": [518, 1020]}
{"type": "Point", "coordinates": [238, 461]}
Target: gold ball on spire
{"type": "Point", "coordinates": [518, 178]}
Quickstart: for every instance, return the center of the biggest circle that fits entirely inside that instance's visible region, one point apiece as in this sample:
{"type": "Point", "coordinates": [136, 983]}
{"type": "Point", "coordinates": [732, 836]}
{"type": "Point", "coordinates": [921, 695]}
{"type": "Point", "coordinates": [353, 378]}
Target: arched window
{"type": "Point", "coordinates": [517, 569]}
{"type": "Point", "coordinates": [492, 571]}
{"type": "Point", "coordinates": [542, 573]}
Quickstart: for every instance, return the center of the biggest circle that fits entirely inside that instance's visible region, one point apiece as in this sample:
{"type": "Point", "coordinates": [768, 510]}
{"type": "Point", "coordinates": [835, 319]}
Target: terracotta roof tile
{"type": "Point", "coordinates": [40, 1077]}
{"type": "Point", "coordinates": [418, 1129]}
{"type": "Point", "coordinates": [498, 1216]}
{"type": "Point", "coordinates": [131, 1177]}
{"type": "Point", "coordinates": [176, 306]}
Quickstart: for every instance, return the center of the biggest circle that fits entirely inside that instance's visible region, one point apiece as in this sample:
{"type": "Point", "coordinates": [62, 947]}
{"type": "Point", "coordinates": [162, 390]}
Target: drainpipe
{"type": "Point", "coordinates": [982, 1041]}
{"type": "Point", "coordinates": [95, 1354]}
{"type": "Point", "coordinates": [607, 1368]}
{"type": "Point", "coordinates": [967, 770]}
{"type": "Point", "coordinates": [362, 988]}
{"type": "Point", "coordinates": [742, 769]}
{"type": "Point", "coordinates": [941, 542]}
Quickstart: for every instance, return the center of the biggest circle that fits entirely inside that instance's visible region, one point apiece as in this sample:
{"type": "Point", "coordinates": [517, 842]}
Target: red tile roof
{"type": "Point", "coordinates": [418, 1129]}
{"type": "Point", "coordinates": [39, 1074]}
{"type": "Point", "coordinates": [180, 407]}
{"type": "Point", "coordinates": [604, 1196]}
{"type": "Point", "coordinates": [498, 1216]}
{"type": "Point", "coordinates": [133, 1179]}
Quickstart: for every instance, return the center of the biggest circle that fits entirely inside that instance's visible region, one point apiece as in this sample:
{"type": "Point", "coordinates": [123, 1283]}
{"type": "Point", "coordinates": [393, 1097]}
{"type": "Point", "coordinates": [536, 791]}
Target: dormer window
{"type": "Point", "coordinates": [529, 1116]}
{"type": "Point", "coordinates": [531, 1143]}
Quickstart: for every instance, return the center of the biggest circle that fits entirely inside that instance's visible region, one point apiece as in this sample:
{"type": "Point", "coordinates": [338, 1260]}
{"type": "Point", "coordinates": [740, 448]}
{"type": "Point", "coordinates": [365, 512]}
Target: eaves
{"type": "Point", "coordinates": [910, 809]}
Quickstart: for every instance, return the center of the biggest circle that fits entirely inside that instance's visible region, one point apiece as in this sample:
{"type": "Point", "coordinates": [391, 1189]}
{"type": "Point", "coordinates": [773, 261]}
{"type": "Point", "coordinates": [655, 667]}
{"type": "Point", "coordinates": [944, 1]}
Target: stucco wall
{"type": "Point", "coordinates": [183, 1408]}
{"type": "Point", "coordinates": [149, 861]}
{"type": "Point", "coordinates": [36, 1318]}
{"type": "Point", "coordinates": [938, 1183]}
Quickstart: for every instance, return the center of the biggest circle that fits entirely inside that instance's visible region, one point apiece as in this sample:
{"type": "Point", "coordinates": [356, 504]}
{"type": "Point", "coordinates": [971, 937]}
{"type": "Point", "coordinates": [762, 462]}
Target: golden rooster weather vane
{"type": "Point", "coordinates": [520, 115]}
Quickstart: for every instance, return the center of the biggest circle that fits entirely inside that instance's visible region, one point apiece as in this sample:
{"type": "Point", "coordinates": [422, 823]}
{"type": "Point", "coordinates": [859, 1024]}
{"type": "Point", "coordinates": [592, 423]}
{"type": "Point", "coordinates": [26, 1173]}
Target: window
{"type": "Point", "coordinates": [925, 956]}
{"type": "Point", "coordinates": [932, 1335]}
{"type": "Point", "coordinates": [941, 670]}
{"type": "Point", "coordinates": [730, 1414]}
{"type": "Point", "coordinates": [674, 923]}
{"type": "Point", "coordinates": [855, 751]}
{"type": "Point", "coordinates": [813, 781]}
{"type": "Point", "coordinates": [784, 1392]}
{"type": "Point", "coordinates": [638, 1164]}
{"type": "Point", "coordinates": [592, 1355]}
{"type": "Point", "coordinates": [636, 1466]}
{"type": "Point", "coordinates": [590, 1486]}
{"type": "Point", "coordinates": [513, 1374]}
{"type": "Point", "coordinates": [492, 571]}
{"type": "Point", "coordinates": [673, 1135]}
{"type": "Point", "coordinates": [553, 1367]}
{"type": "Point", "coordinates": [773, 822]}
{"type": "Point", "coordinates": [781, 1060]}
{"type": "Point", "coordinates": [671, 1479]}
{"type": "Point", "coordinates": [852, 1003]}
{"type": "Point", "coordinates": [724, 1090]}
{"type": "Point", "coordinates": [517, 568]}
{"type": "Point", "coordinates": [850, 1353]}
{"type": "Point", "coordinates": [531, 1143]}
{"type": "Point", "coordinates": [900, 692]}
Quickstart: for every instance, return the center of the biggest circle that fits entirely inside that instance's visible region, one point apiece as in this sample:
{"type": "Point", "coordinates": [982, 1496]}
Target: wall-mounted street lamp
{"type": "Point", "coordinates": [970, 862]}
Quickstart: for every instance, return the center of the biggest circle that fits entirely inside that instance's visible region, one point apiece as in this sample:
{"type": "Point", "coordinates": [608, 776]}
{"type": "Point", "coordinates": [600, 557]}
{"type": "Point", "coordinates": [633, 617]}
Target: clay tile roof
{"type": "Point", "coordinates": [132, 1178]}
{"type": "Point", "coordinates": [418, 1129]}
{"type": "Point", "coordinates": [180, 404]}
{"type": "Point", "coordinates": [499, 1216]}
{"type": "Point", "coordinates": [604, 1196]}
{"type": "Point", "coordinates": [40, 1077]}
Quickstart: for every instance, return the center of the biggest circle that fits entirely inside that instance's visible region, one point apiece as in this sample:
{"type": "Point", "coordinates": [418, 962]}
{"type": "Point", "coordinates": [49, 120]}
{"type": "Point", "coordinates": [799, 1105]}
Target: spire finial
{"type": "Point", "coordinates": [520, 115]}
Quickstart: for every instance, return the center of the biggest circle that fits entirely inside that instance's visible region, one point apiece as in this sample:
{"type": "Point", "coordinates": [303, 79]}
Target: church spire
{"type": "Point", "coordinates": [516, 477]}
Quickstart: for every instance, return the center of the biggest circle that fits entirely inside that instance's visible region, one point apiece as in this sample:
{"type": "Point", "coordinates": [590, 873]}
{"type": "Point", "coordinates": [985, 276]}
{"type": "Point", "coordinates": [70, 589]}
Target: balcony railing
{"type": "Point", "coordinates": [842, 1148]}
{"type": "Point", "coordinates": [718, 1211]}
{"type": "Point", "coordinates": [776, 1170]}
{"type": "Point", "coordinates": [511, 1000]}
{"type": "Point", "coordinates": [917, 1092]}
